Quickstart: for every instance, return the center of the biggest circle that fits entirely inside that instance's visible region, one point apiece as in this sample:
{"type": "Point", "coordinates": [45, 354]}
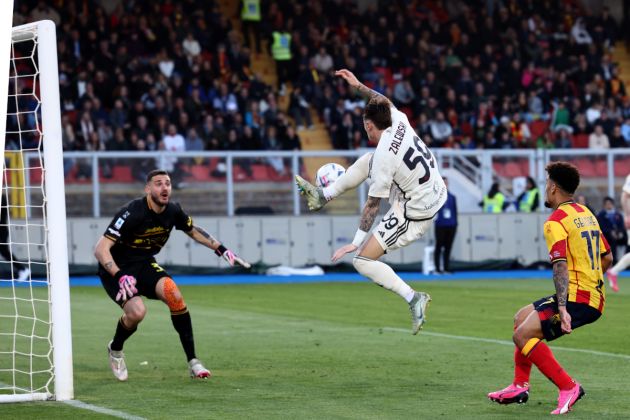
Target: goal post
{"type": "Point", "coordinates": [35, 323]}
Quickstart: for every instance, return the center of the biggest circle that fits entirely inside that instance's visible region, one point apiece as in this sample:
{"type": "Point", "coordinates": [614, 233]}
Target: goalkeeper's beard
{"type": "Point", "coordinates": [157, 199]}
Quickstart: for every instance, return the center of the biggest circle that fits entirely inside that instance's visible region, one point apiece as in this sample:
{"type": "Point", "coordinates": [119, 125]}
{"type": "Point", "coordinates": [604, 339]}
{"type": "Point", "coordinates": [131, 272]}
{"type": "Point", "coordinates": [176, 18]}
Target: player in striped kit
{"type": "Point", "coordinates": [402, 169]}
{"type": "Point", "coordinates": [579, 254]}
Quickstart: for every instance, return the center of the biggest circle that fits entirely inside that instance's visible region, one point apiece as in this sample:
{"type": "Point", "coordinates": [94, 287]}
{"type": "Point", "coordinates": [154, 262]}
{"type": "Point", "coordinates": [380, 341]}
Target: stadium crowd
{"type": "Point", "coordinates": [149, 75]}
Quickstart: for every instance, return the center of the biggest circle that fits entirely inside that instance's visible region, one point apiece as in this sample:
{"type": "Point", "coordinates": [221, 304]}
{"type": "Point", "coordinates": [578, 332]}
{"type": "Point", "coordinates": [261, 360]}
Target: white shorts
{"type": "Point", "coordinates": [394, 231]}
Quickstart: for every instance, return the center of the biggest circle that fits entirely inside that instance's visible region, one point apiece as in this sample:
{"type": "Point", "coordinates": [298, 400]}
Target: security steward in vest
{"type": "Point", "coordinates": [527, 202]}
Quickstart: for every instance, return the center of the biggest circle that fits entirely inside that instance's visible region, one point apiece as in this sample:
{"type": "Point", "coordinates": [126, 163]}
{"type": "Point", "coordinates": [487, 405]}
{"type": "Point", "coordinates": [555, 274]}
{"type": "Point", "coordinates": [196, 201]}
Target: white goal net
{"type": "Point", "coordinates": [35, 344]}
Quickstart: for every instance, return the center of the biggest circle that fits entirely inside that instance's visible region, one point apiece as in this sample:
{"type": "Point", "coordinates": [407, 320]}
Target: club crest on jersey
{"type": "Point", "coordinates": [119, 223]}
{"type": "Point", "coordinates": [398, 138]}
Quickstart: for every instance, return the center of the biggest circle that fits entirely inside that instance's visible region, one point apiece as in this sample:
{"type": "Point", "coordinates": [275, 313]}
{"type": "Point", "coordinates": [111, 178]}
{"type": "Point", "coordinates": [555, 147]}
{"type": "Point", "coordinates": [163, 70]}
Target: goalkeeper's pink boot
{"type": "Point", "coordinates": [511, 394]}
{"type": "Point", "coordinates": [612, 281]}
{"type": "Point", "coordinates": [197, 370]}
{"type": "Point", "coordinates": [566, 399]}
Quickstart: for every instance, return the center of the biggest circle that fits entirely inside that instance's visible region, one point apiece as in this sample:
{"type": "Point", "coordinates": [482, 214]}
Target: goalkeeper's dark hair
{"type": "Point", "coordinates": [565, 175]}
{"type": "Point", "coordinates": [378, 111]}
{"type": "Point", "coordinates": [156, 172]}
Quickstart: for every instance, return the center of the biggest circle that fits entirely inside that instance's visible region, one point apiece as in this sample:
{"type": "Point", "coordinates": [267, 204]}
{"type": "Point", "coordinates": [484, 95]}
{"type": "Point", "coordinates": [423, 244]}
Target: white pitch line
{"type": "Point", "coordinates": [508, 343]}
{"type": "Point", "coordinates": [102, 410]}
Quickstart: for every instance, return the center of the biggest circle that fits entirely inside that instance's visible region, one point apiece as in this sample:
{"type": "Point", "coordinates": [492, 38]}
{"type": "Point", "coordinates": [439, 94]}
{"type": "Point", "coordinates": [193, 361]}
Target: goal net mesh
{"type": "Point", "coordinates": [26, 351]}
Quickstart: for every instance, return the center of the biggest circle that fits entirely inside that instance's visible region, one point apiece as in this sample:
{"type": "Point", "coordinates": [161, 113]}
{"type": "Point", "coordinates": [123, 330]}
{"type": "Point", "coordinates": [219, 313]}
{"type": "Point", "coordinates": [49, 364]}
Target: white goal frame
{"type": "Point", "coordinates": [55, 203]}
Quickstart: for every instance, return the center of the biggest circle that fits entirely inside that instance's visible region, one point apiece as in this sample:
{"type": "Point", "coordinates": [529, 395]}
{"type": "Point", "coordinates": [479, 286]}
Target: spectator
{"type": "Point", "coordinates": [403, 93]}
{"type": "Point", "coordinates": [598, 139]}
{"type": "Point", "coordinates": [193, 142]}
{"type": "Point", "coordinates": [440, 128]}
{"type": "Point", "coordinates": [272, 142]}
{"type": "Point", "coordinates": [173, 142]}
{"type": "Point", "coordinates": [299, 109]}
{"type": "Point", "coordinates": [580, 33]}
{"type": "Point", "coordinates": [291, 140]}
{"type": "Point", "coordinates": [625, 131]}
{"type": "Point", "coordinates": [322, 61]}
{"type": "Point", "coordinates": [563, 139]}
{"type": "Point", "coordinates": [616, 139]}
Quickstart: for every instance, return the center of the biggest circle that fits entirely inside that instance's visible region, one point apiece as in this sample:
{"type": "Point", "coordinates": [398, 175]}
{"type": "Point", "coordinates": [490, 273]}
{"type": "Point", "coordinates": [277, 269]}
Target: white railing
{"type": "Point", "coordinates": [476, 165]}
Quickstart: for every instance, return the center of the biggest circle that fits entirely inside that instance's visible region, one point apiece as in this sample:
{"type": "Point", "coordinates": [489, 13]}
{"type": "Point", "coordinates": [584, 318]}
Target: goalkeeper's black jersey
{"type": "Point", "coordinates": [140, 233]}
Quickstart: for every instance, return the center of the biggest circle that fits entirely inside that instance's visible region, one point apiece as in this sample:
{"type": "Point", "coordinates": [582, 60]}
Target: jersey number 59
{"type": "Point", "coordinates": [425, 155]}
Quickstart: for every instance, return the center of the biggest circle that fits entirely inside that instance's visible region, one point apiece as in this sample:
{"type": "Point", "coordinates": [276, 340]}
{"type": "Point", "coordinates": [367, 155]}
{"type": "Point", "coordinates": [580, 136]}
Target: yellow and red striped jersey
{"type": "Point", "coordinates": [573, 235]}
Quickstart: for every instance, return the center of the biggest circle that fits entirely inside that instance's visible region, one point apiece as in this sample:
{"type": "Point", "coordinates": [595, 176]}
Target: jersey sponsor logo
{"type": "Point", "coordinates": [157, 229]}
{"type": "Point", "coordinates": [380, 232]}
{"type": "Point", "coordinates": [113, 232]}
{"type": "Point", "coordinates": [437, 201]}
{"type": "Point", "coordinates": [125, 214]}
{"type": "Point", "coordinates": [119, 223]}
{"type": "Point", "coordinates": [394, 147]}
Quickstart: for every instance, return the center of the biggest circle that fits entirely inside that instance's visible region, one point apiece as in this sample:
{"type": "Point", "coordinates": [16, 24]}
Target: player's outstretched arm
{"type": "Point", "coordinates": [204, 238]}
{"type": "Point", "coordinates": [352, 80]}
{"type": "Point", "coordinates": [370, 211]}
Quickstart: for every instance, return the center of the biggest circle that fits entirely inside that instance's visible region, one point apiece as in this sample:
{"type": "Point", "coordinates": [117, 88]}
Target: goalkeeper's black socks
{"type": "Point", "coordinates": [183, 325]}
{"type": "Point", "coordinates": [122, 334]}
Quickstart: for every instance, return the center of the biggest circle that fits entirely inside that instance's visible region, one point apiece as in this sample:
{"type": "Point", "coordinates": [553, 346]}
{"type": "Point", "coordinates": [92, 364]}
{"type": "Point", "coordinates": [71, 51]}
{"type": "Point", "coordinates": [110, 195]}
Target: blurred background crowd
{"type": "Point", "coordinates": [177, 75]}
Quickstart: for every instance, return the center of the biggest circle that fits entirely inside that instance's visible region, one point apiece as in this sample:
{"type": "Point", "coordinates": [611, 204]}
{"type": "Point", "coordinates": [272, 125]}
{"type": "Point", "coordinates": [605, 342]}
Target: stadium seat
{"type": "Point", "coordinates": [538, 128]}
{"type": "Point", "coordinates": [120, 173]}
{"type": "Point", "coordinates": [512, 170]}
{"type": "Point", "coordinates": [200, 172]}
{"type": "Point", "coordinates": [622, 166]}
{"type": "Point", "coordinates": [580, 141]}
{"type": "Point", "coordinates": [601, 167]}
{"type": "Point", "coordinates": [586, 167]}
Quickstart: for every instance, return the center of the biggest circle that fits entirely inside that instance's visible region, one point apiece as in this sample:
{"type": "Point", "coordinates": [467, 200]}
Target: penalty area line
{"type": "Point", "coordinates": [508, 343]}
{"type": "Point", "coordinates": [102, 410]}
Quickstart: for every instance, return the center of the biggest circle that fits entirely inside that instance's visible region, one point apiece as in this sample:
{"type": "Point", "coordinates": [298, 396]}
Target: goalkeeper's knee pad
{"type": "Point", "coordinates": [173, 297]}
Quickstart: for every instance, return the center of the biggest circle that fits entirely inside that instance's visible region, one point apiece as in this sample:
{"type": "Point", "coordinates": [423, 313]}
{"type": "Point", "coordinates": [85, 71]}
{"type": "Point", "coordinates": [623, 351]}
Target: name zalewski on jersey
{"type": "Point", "coordinates": [404, 170]}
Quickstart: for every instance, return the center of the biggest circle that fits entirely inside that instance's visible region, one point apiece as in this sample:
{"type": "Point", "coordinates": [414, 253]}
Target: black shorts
{"type": "Point", "coordinates": [147, 274]}
{"type": "Point", "coordinates": [547, 308]}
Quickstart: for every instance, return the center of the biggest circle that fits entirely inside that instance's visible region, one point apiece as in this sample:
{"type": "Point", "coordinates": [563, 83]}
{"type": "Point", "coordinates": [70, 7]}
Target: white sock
{"type": "Point", "coordinates": [354, 176]}
{"type": "Point", "coordinates": [621, 265]}
{"type": "Point", "coordinates": [383, 275]}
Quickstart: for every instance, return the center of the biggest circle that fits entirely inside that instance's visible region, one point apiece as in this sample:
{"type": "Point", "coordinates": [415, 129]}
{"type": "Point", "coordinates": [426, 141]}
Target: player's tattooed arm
{"type": "Point", "coordinates": [349, 77]}
{"type": "Point", "coordinates": [370, 210]}
{"type": "Point", "coordinates": [102, 252]}
{"type": "Point", "coordinates": [200, 235]}
{"type": "Point", "coordinates": [561, 281]}
{"type": "Point", "coordinates": [370, 93]}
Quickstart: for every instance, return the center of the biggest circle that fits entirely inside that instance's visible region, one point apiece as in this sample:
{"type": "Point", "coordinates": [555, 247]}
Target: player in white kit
{"type": "Point", "coordinates": [624, 262]}
{"type": "Point", "coordinates": [402, 169]}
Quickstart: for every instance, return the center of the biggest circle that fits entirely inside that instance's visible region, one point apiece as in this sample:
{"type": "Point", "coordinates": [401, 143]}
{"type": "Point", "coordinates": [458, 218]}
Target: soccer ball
{"type": "Point", "coordinates": [328, 174]}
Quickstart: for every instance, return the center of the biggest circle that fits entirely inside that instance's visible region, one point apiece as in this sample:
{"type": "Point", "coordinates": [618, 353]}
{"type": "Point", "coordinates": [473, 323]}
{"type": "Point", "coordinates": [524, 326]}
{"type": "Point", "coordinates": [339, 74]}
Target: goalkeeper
{"type": "Point", "coordinates": [128, 269]}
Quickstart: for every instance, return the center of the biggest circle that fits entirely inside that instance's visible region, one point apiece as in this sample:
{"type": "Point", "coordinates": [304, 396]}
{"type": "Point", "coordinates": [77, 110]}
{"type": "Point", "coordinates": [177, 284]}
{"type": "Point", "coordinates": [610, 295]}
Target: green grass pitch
{"type": "Point", "coordinates": [338, 351]}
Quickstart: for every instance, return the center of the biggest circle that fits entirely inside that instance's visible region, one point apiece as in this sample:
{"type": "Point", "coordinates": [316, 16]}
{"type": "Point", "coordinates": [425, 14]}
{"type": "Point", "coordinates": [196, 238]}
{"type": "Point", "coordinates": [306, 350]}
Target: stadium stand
{"type": "Point", "coordinates": [511, 77]}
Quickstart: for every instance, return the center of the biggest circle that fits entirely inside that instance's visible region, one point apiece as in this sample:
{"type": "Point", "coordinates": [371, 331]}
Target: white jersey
{"type": "Point", "coordinates": [626, 186]}
{"type": "Point", "coordinates": [405, 170]}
